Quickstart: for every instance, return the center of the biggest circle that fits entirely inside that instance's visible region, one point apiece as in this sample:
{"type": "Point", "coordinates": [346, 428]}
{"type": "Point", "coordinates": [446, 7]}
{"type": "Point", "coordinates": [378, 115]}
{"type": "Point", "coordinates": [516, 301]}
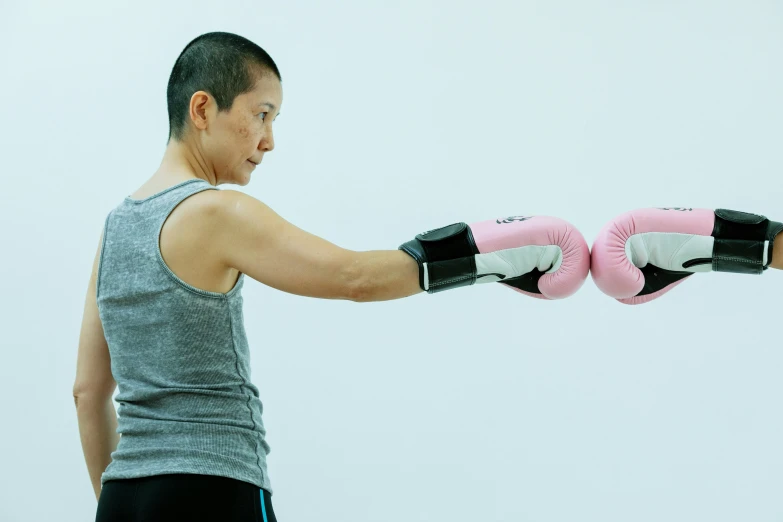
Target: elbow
{"type": "Point", "coordinates": [94, 393]}
{"type": "Point", "coordinates": [359, 291]}
{"type": "Point", "coordinates": [88, 401]}
{"type": "Point", "coordinates": [357, 286]}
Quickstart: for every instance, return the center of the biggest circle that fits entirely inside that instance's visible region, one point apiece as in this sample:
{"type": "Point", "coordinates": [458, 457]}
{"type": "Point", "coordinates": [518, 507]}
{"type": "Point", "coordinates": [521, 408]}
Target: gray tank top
{"type": "Point", "coordinates": [179, 356]}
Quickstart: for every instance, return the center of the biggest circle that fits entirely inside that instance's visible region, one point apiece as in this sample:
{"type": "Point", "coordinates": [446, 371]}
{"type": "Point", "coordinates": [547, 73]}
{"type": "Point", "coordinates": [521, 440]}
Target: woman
{"type": "Point", "coordinates": [163, 315]}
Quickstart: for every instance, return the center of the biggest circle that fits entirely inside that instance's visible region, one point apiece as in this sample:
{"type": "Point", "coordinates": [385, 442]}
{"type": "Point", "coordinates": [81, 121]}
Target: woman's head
{"type": "Point", "coordinates": [223, 94]}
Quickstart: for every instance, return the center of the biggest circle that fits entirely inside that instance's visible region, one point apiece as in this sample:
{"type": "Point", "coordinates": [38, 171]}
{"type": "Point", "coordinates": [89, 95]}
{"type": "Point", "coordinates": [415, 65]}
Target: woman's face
{"type": "Point", "coordinates": [234, 142]}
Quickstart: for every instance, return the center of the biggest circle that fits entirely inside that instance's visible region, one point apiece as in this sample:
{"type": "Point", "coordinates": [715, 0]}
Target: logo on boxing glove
{"type": "Point", "coordinates": [512, 219]}
{"type": "Point", "coordinates": [679, 209]}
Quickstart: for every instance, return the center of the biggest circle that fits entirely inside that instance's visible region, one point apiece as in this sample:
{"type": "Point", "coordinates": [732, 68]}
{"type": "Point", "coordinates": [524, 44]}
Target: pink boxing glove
{"type": "Point", "coordinates": [540, 256]}
{"type": "Point", "coordinates": [644, 253]}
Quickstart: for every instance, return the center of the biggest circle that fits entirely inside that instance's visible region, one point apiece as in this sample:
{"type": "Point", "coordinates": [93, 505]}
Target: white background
{"type": "Point", "coordinates": [398, 117]}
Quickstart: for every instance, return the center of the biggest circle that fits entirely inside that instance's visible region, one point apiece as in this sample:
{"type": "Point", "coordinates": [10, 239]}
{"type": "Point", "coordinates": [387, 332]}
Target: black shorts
{"type": "Point", "coordinates": [183, 498]}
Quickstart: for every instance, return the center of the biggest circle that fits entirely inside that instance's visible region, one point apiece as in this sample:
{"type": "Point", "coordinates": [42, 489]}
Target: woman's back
{"type": "Point", "coordinates": [179, 353]}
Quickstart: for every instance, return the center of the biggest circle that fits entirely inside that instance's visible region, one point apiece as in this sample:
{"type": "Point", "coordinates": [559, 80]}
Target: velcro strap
{"type": "Point", "coordinates": [449, 242]}
{"type": "Point", "coordinates": [451, 273]}
{"type": "Point", "coordinates": [733, 224]}
{"type": "Point", "coordinates": [740, 240]}
{"type": "Point", "coordinates": [738, 256]}
{"type": "Point", "coordinates": [446, 257]}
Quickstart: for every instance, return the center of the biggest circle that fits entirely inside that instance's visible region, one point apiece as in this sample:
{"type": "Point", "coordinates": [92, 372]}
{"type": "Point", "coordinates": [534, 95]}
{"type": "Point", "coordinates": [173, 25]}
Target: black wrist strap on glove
{"type": "Point", "coordinates": [739, 241]}
{"type": "Point", "coordinates": [445, 257]}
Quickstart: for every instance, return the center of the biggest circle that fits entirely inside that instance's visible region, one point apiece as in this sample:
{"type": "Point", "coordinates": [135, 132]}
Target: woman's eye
{"type": "Point", "coordinates": [263, 116]}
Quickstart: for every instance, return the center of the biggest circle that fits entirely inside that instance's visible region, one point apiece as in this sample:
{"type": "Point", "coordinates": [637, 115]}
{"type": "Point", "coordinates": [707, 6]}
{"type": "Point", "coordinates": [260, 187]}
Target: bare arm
{"type": "Point", "coordinates": [255, 240]}
{"type": "Point", "coordinates": [98, 433]}
{"type": "Point", "coordinates": [777, 253]}
{"type": "Point", "coordinates": [386, 275]}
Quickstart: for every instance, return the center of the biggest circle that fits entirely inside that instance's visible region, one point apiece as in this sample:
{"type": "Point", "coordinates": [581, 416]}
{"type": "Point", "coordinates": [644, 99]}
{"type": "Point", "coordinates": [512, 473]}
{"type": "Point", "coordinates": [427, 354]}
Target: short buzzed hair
{"type": "Point", "coordinates": [223, 64]}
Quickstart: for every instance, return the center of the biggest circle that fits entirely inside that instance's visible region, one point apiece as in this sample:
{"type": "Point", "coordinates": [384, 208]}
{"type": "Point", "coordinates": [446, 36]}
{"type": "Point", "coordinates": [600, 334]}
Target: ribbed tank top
{"type": "Point", "coordinates": [179, 356]}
